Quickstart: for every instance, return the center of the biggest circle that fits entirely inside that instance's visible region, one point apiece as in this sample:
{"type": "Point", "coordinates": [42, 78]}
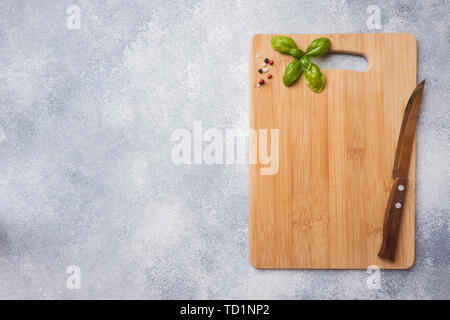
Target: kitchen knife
{"type": "Point", "coordinates": [394, 208]}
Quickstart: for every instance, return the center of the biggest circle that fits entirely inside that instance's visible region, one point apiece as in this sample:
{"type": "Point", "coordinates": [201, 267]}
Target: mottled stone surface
{"type": "Point", "coordinates": [86, 176]}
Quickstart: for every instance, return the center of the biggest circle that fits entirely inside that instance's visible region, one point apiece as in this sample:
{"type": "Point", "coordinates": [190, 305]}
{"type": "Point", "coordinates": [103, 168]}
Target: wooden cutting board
{"type": "Point", "coordinates": [324, 208]}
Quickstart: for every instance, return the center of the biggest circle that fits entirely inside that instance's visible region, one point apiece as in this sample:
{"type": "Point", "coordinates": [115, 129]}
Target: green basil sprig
{"type": "Point", "coordinates": [283, 44]}
{"type": "Point", "coordinates": [315, 78]}
{"type": "Point", "coordinates": [296, 53]}
{"type": "Point", "coordinates": [318, 47]}
{"type": "Point", "coordinates": [302, 62]}
{"type": "Point", "coordinates": [306, 62]}
{"type": "Point", "coordinates": [292, 72]}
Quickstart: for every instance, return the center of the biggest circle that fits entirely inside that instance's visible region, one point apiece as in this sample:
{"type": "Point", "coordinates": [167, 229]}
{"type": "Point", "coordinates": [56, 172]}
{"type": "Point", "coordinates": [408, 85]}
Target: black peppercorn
{"type": "Point", "coordinates": [266, 60]}
{"type": "Point", "coordinates": [260, 70]}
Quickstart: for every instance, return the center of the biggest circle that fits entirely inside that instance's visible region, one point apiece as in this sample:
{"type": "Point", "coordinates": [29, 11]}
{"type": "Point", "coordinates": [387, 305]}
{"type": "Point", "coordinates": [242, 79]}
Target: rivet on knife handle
{"type": "Point", "coordinates": [392, 219]}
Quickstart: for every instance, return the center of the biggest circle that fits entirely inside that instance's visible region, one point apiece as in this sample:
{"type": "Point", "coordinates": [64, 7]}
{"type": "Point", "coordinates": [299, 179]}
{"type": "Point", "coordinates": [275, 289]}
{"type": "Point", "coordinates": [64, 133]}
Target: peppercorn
{"type": "Point", "coordinates": [266, 60]}
{"type": "Point", "coordinates": [271, 62]}
{"type": "Point", "coordinates": [261, 81]}
{"type": "Point", "coordinates": [260, 70]}
{"type": "Point", "coordinates": [269, 76]}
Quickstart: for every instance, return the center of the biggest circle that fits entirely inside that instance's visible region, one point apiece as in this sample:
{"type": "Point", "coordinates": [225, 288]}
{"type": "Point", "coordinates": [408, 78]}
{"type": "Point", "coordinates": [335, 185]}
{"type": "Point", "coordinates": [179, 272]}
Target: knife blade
{"type": "Point", "coordinates": [394, 207]}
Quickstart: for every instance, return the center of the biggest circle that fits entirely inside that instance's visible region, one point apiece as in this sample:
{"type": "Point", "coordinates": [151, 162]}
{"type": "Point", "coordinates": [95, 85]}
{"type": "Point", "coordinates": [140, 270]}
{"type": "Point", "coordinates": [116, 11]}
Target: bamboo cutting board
{"type": "Point", "coordinates": [324, 208]}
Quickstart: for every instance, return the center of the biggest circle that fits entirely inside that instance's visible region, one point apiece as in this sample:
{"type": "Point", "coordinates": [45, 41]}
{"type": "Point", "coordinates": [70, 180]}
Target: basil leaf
{"type": "Point", "coordinates": [296, 53]}
{"type": "Point", "coordinates": [314, 78]}
{"type": "Point", "coordinates": [282, 44]}
{"type": "Point", "coordinates": [292, 72]}
{"type": "Point", "coordinates": [318, 47]}
{"type": "Point", "coordinates": [306, 63]}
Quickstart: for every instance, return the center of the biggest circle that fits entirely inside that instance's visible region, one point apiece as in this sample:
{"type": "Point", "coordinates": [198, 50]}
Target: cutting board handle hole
{"type": "Point", "coordinates": [342, 61]}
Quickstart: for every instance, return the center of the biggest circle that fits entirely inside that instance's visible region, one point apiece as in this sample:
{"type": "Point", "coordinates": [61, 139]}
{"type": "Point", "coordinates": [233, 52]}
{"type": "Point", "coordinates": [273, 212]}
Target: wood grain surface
{"type": "Point", "coordinates": [324, 208]}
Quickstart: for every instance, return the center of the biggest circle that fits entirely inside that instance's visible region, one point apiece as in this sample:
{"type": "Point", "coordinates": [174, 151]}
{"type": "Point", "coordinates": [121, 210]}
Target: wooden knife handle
{"type": "Point", "coordinates": [392, 219]}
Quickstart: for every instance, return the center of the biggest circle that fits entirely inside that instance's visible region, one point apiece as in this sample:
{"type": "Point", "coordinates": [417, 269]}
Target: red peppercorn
{"type": "Point", "coordinates": [261, 81]}
{"type": "Point", "coordinates": [269, 76]}
{"type": "Point", "coordinates": [271, 62]}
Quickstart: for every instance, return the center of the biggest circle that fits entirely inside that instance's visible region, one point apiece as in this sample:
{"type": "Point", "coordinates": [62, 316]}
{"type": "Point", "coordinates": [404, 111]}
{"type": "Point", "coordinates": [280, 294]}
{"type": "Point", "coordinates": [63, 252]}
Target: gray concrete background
{"type": "Point", "coordinates": [86, 176]}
